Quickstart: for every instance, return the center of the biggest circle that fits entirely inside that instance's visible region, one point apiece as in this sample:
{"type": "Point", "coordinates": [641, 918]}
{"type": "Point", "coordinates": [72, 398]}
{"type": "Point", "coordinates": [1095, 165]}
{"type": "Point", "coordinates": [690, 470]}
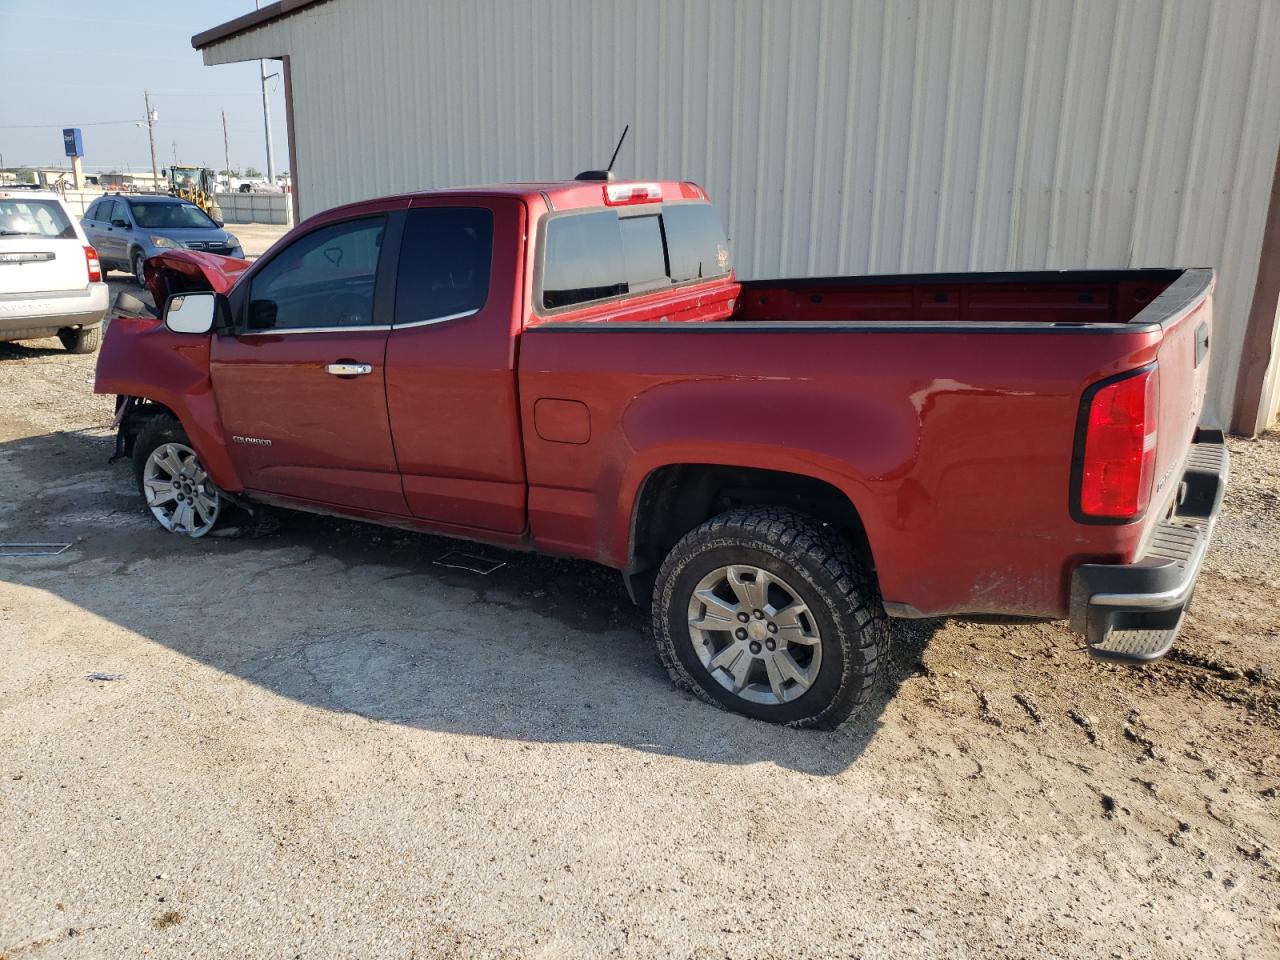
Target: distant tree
{"type": "Point", "coordinates": [252, 172]}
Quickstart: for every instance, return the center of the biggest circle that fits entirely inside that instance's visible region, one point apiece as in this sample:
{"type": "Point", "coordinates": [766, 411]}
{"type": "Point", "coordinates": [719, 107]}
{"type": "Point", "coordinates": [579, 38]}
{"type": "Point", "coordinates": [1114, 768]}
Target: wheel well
{"type": "Point", "coordinates": [676, 498]}
{"type": "Point", "coordinates": [141, 412]}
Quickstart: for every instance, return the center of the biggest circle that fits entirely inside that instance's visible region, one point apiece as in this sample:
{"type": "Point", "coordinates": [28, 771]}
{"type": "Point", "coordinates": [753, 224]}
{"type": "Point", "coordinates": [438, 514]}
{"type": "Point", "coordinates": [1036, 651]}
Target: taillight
{"type": "Point", "coordinates": [621, 194]}
{"type": "Point", "coordinates": [1119, 446]}
{"type": "Point", "coordinates": [91, 261]}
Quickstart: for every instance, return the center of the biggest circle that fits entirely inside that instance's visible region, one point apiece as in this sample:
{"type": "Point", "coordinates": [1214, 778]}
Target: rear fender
{"type": "Point", "coordinates": [736, 425]}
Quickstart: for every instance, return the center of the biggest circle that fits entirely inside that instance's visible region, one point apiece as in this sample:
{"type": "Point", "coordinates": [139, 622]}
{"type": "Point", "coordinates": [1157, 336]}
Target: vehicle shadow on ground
{"type": "Point", "coordinates": [23, 351]}
{"type": "Point", "coordinates": [360, 619]}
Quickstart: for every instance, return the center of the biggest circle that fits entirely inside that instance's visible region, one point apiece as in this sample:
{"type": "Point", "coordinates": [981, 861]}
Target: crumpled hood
{"type": "Point", "coordinates": [186, 271]}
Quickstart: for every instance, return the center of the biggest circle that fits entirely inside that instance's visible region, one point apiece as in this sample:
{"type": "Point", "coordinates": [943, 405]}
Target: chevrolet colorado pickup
{"type": "Point", "coordinates": [776, 466]}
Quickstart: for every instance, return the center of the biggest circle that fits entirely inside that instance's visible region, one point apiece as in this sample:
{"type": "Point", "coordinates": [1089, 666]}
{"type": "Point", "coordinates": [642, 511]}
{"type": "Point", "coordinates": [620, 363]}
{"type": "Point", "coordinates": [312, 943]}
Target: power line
{"type": "Point", "coordinates": [59, 126]}
{"type": "Point", "coordinates": [108, 123]}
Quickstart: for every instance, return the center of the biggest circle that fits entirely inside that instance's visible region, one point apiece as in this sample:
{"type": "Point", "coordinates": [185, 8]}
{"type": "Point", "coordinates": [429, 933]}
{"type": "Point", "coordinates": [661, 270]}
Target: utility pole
{"type": "Point", "coordinates": [266, 122]}
{"type": "Point", "coordinates": [151, 135]}
{"type": "Point", "coordinates": [266, 116]}
{"type": "Point", "coordinates": [226, 149]}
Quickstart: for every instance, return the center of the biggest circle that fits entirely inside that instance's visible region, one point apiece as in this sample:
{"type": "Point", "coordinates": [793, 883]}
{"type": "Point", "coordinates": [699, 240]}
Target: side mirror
{"type": "Point", "coordinates": [191, 312]}
{"type": "Point", "coordinates": [218, 221]}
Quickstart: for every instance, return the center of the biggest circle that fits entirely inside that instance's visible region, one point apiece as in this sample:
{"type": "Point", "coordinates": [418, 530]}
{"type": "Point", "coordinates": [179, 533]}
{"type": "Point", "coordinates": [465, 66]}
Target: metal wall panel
{"type": "Point", "coordinates": [836, 136]}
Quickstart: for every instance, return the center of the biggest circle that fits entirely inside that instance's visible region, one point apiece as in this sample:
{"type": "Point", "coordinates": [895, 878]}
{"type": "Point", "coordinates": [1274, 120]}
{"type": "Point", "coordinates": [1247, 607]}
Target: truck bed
{"type": "Point", "coordinates": [945, 407]}
{"type": "Point", "coordinates": [1057, 298]}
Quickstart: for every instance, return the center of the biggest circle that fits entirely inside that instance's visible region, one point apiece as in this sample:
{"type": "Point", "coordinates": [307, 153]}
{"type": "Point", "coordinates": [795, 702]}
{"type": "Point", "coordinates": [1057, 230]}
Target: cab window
{"type": "Point", "coordinates": [695, 242]}
{"type": "Point", "coordinates": [445, 260]}
{"type": "Point", "coordinates": [323, 279]}
{"type": "Point", "coordinates": [604, 254]}
{"type": "Point", "coordinates": [583, 260]}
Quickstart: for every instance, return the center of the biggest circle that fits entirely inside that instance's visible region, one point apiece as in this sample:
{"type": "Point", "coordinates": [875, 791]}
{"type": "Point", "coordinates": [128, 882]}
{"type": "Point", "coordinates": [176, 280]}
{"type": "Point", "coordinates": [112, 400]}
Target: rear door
{"type": "Point", "coordinates": [451, 388]}
{"type": "Point", "coordinates": [115, 239]}
{"type": "Point", "coordinates": [40, 250]}
{"type": "Point", "coordinates": [300, 381]}
{"type": "Point", "coordinates": [89, 223]}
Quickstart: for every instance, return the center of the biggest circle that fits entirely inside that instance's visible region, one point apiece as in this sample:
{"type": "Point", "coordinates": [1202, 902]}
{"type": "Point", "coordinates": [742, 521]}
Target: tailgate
{"type": "Point", "coordinates": [40, 248]}
{"type": "Point", "coordinates": [38, 265]}
{"type": "Point", "coordinates": [1183, 364]}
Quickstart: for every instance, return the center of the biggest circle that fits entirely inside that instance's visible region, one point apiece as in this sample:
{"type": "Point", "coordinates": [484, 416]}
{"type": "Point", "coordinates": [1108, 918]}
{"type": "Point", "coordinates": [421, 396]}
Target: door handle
{"type": "Point", "coordinates": [349, 369]}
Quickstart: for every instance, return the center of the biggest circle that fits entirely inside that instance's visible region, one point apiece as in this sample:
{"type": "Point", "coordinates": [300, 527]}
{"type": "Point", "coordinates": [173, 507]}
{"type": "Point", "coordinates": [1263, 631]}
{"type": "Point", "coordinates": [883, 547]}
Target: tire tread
{"type": "Point", "coordinates": [798, 534]}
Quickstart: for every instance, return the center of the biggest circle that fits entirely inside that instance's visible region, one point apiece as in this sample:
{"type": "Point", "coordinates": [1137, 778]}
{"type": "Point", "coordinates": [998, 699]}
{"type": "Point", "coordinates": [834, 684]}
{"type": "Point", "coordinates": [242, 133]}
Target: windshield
{"type": "Point", "coordinates": [21, 217]}
{"type": "Point", "coordinates": [153, 215]}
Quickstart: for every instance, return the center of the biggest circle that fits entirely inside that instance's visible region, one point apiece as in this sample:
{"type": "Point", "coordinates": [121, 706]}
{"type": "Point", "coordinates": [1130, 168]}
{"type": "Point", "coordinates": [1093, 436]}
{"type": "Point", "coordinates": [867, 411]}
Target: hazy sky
{"type": "Point", "coordinates": [85, 63]}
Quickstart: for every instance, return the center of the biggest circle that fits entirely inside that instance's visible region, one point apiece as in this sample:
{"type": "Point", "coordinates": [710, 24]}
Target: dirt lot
{"type": "Point", "coordinates": [320, 744]}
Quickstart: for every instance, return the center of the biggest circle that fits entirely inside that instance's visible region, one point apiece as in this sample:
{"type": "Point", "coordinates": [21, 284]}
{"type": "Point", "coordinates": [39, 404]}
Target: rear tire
{"type": "Point", "coordinates": [809, 650]}
{"type": "Point", "coordinates": [84, 340]}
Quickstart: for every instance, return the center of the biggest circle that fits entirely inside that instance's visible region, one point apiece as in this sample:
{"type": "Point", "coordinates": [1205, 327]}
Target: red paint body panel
{"type": "Point", "coordinates": [451, 394]}
{"type": "Point", "coordinates": [955, 448]}
{"type": "Point", "coordinates": [183, 271]}
{"type": "Point", "coordinates": [141, 357]}
{"type": "Point", "coordinates": [944, 408]}
{"type": "Point", "coordinates": [329, 436]}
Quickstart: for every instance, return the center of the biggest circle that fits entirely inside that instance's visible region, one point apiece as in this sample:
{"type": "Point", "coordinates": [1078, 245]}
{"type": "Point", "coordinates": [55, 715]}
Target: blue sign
{"type": "Point", "coordinates": [72, 142]}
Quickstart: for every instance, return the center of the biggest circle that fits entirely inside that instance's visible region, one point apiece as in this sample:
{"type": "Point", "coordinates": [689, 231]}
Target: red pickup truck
{"type": "Point", "coordinates": [776, 466]}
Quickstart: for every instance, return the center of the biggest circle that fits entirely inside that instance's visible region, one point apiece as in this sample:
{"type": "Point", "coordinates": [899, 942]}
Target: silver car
{"type": "Point", "coordinates": [127, 230]}
{"type": "Point", "coordinates": [50, 276]}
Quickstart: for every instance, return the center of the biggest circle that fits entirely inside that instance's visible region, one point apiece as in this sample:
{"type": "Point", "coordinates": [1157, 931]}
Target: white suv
{"type": "Point", "coordinates": [50, 279]}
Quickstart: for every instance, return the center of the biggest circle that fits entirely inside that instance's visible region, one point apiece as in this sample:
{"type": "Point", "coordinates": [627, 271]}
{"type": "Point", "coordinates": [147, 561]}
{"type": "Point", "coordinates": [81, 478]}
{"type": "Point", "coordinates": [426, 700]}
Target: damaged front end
{"type": "Point", "coordinates": [153, 370]}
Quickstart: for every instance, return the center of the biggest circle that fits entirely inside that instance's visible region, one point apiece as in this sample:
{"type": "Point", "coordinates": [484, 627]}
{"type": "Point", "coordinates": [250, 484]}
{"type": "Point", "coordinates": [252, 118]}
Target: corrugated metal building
{"type": "Point", "coordinates": [836, 136]}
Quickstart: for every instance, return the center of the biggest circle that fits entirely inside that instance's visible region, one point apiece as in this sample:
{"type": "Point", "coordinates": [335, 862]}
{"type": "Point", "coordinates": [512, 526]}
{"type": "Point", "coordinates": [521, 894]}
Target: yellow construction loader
{"type": "Point", "coordinates": [197, 184]}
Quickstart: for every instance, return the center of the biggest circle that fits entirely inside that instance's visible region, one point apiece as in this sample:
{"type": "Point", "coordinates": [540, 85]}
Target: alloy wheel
{"type": "Point", "coordinates": [754, 634]}
{"type": "Point", "coordinates": [179, 492]}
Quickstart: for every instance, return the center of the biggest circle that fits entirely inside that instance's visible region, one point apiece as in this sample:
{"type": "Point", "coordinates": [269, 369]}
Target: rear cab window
{"type": "Point", "coordinates": [601, 255]}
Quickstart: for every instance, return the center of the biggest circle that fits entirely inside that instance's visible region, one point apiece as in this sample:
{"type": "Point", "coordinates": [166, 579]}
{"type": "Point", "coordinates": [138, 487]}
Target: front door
{"type": "Point", "coordinates": [300, 380]}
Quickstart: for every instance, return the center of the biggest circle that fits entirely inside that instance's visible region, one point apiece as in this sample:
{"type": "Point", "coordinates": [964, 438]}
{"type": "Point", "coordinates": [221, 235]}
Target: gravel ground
{"type": "Point", "coordinates": [320, 744]}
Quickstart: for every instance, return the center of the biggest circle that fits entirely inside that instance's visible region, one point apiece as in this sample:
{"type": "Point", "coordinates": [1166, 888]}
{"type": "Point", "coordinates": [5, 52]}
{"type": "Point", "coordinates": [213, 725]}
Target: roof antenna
{"type": "Point", "coordinates": [607, 173]}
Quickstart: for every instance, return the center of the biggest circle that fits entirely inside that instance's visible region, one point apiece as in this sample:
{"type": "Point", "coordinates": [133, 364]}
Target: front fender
{"type": "Point", "coordinates": [141, 357]}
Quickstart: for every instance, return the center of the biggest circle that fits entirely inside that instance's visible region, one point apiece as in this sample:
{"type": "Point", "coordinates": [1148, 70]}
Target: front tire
{"type": "Point", "coordinates": [178, 491]}
{"type": "Point", "coordinates": [84, 340]}
{"type": "Point", "coordinates": [767, 612]}
{"type": "Point", "coordinates": [138, 274]}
